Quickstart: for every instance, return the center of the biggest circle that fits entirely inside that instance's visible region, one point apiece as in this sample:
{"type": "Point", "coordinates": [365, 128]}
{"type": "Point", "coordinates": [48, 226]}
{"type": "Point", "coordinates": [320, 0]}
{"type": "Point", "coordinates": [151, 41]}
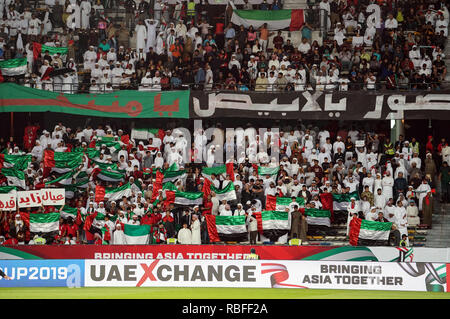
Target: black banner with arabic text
{"type": "Point", "coordinates": [318, 105]}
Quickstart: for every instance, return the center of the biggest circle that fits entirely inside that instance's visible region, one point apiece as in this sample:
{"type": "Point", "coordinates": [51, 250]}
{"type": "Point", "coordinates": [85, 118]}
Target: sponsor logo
{"type": "Point", "coordinates": [158, 271]}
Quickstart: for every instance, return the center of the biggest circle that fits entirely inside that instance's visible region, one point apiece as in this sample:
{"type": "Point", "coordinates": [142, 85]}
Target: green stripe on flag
{"type": "Point", "coordinates": [262, 170]}
{"type": "Point", "coordinates": [230, 220]}
{"type": "Point", "coordinates": [375, 226]}
{"type": "Point", "coordinates": [264, 15]}
{"type": "Point", "coordinates": [44, 222]}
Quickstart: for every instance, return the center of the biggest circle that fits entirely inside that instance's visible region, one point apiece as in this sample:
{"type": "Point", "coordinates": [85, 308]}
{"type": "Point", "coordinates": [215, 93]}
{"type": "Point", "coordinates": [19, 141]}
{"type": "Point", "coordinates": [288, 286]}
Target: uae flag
{"type": "Point", "coordinates": [146, 133]}
{"type": "Point", "coordinates": [64, 179]}
{"type": "Point", "coordinates": [226, 228]}
{"type": "Point", "coordinates": [44, 223]}
{"type": "Point", "coordinates": [272, 171]}
{"type": "Point", "coordinates": [188, 198]}
{"type": "Point", "coordinates": [62, 162]}
{"type": "Point", "coordinates": [13, 67]}
{"type": "Point", "coordinates": [14, 177]}
{"type": "Point", "coordinates": [107, 166]}
{"type": "Point", "coordinates": [275, 19]}
{"type": "Point", "coordinates": [7, 189]}
{"type": "Point", "coordinates": [112, 194]}
{"type": "Point", "coordinates": [108, 175]}
{"type": "Point", "coordinates": [17, 161]}
{"type": "Point", "coordinates": [39, 48]}
{"type": "Point", "coordinates": [319, 217]}
{"type": "Point", "coordinates": [91, 153]}
{"type": "Point", "coordinates": [228, 193]}
{"type": "Point", "coordinates": [110, 143]}
{"type": "Point", "coordinates": [136, 234]}
{"type": "Point", "coordinates": [69, 211]}
{"type": "Point", "coordinates": [216, 170]}
{"type": "Point", "coordinates": [281, 203]}
{"type": "Point", "coordinates": [368, 233]}
{"type": "Point", "coordinates": [341, 201]}
{"type": "Point", "coordinates": [272, 224]}
{"type": "Point", "coordinates": [173, 173]}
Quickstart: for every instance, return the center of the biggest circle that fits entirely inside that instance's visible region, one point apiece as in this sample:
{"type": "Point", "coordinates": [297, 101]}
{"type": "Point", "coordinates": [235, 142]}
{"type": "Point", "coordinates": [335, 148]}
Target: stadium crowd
{"type": "Point", "coordinates": [371, 45]}
{"type": "Point", "coordinates": [394, 180]}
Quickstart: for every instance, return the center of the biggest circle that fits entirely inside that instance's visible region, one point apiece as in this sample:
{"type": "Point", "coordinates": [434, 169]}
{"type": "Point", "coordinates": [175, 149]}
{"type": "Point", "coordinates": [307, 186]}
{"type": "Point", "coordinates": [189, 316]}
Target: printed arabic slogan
{"type": "Point", "coordinates": [45, 196]}
{"type": "Point", "coordinates": [120, 104]}
{"type": "Point", "coordinates": [8, 202]}
{"type": "Point", "coordinates": [318, 105]}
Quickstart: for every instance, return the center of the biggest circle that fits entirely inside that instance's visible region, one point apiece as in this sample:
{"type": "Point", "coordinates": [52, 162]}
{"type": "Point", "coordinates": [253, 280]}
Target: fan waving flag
{"type": "Point", "coordinates": [341, 201]}
{"type": "Point", "coordinates": [14, 177]}
{"type": "Point", "coordinates": [173, 173]}
{"type": "Point", "coordinates": [228, 193]}
{"type": "Point", "coordinates": [188, 198]}
{"type": "Point", "coordinates": [17, 161]}
{"type": "Point", "coordinates": [136, 234]}
{"type": "Point", "coordinates": [262, 170]}
{"type": "Point", "coordinates": [319, 217]}
{"type": "Point", "coordinates": [13, 67]}
{"type": "Point", "coordinates": [281, 203]}
{"type": "Point", "coordinates": [217, 170]}
{"type": "Point", "coordinates": [226, 228]}
{"type": "Point", "coordinates": [62, 162]}
{"type": "Point", "coordinates": [40, 48]}
{"type": "Point", "coordinates": [368, 233]}
{"type": "Point", "coordinates": [272, 224]}
{"type": "Point", "coordinates": [275, 19]}
{"type": "Point", "coordinates": [112, 194]}
{"type": "Point", "coordinates": [44, 223]}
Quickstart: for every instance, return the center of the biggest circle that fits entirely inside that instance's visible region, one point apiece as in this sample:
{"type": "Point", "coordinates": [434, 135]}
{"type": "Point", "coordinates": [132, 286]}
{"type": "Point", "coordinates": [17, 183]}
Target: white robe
{"type": "Point", "coordinates": [422, 191]}
{"type": "Point", "coordinates": [85, 13]}
{"type": "Point", "coordinates": [141, 35]}
{"type": "Point", "coordinates": [118, 238]}
{"type": "Point", "coordinates": [151, 34]}
{"type": "Point", "coordinates": [196, 236]}
{"type": "Point", "coordinates": [185, 236]}
{"type": "Point", "coordinates": [402, 221]}
{"type": "Point", "coordinates": [388, 184]}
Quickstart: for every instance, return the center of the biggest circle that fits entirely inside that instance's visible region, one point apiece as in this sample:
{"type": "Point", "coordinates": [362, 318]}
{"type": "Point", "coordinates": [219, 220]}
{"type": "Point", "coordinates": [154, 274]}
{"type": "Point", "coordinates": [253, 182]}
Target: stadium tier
{"type": "Point", "coordinates": [330, 107]}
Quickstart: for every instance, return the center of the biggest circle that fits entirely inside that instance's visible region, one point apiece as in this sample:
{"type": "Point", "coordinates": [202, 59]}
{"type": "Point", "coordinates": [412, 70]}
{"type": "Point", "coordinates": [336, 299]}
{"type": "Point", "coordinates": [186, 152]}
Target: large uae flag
{"type": "Point", "coordinates": [275, 19]}
{"type": "Point", "coordinates": [13, 67]}
{"type": "Point", "coordinates": [226, 228]}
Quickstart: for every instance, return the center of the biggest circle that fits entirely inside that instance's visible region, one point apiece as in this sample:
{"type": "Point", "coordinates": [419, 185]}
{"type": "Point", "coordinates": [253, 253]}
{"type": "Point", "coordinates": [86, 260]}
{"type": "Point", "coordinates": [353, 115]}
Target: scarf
{"type": "Point", "coordinates": [427, 200]}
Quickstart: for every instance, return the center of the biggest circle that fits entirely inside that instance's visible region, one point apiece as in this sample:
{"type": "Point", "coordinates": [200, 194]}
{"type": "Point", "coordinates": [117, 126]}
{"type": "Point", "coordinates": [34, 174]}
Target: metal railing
{"type": "Point", "coordinates": [98, 88]}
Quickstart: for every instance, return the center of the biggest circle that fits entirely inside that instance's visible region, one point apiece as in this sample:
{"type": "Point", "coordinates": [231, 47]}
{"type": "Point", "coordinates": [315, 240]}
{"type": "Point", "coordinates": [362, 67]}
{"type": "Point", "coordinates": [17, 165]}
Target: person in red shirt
{"type": "Point", "coordinates": [137, 174]}
{"type": "Point", "coordinates": [207, 207]}
{"type": "Point", "coordinates": [278, 41]}
{"type": "Point", "coordinates": [71, 229]}
{"type": "Point", "coordinates": [89, 229]}
{"type": "Point", "coordinates": [29, 136]}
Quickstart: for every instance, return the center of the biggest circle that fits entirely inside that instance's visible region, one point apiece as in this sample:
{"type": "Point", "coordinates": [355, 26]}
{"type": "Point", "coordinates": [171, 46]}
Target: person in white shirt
{"type": "Point", "coordinates": [372, 214]}
{"type": "Point", "coordinates": [391, 23]}
{"type": "Point", "coordinates": [185, 235]}
{"type": "Point", "coordinates": [412, 212]}
{"type": "Point", "coordinates": [304, 47]}
{"type": "Point", "coordinates": [415, 56]}
{"type": "Point", "coordinates": [442, 25]}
